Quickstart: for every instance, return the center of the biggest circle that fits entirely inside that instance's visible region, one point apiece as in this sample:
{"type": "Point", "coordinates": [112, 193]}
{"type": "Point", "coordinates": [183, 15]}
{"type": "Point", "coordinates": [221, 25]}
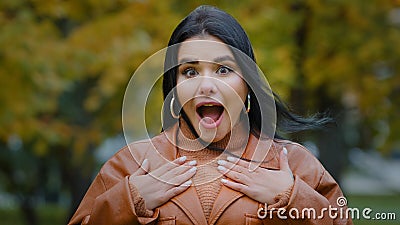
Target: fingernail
{"type": "Point", "coordinates": [192, 163]}
{"type": "Point", "coordinates": [284, 150]}
{"type": "Point", "coordinates": [224, 181]}
{"type": "Point", "coordinates": [221, 168]}
{"type": "Point", "coordinates": [187, 183]}
{"type": "Point", "coordinates": [182, 159]}
{"type": "Point", "coordinates": [221, 162]}
{"type": "Point", "coordinates": [230, 159]}
{"type": "Point", "coordinates": [193, 169]}
{"type": "Point", "coordinates": [145, 161]}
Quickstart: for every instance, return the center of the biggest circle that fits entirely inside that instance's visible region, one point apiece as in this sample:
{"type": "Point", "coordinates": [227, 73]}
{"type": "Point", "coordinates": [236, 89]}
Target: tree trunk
{"type": "Point", "coordinates": [330, 141]}
{"type": "Point", "coordinates": [77, 176]}
{"type": "Point", "coordinates": [28, 211]}
{"type": "Point", "coordinates": [78, 184]}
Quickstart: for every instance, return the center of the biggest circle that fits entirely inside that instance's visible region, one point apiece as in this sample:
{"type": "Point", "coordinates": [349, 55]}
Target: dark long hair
{"type": "Point", "coordinates": [215, 22]}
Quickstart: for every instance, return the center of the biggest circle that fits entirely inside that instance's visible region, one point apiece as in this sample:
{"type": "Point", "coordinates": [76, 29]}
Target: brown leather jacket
{"type": "Point", "coordinates": [109, 199]}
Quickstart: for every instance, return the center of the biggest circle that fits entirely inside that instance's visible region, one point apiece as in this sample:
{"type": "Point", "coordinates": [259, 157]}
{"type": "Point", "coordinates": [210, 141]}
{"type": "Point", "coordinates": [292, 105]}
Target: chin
{"type": "Point", "coordinates": [214, 135]}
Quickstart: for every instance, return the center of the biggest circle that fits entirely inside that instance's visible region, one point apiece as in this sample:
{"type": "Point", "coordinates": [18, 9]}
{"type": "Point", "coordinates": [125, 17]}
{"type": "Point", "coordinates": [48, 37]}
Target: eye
{"type": "Point", "coordinates": [189, 72]}
{"type": "Point", "coordinates": [224, 70]}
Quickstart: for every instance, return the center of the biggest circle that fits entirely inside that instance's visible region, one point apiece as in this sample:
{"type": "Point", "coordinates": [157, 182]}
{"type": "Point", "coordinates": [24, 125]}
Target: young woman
{"type": "Point", "coordinates": [217, 160]}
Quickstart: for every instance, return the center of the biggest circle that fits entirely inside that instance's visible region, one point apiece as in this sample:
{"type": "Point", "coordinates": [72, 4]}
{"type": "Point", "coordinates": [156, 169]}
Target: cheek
{"type": "Point", "coordinates": [242, 89]}
{"type": "Point", "coordinates": [185, 94]}
{"type": "Point", "coordinates": [235, 95]}
{"type": "Point", "coordinates": [237, 91]}
{"type": "Point", "coordinates": [181, 90]}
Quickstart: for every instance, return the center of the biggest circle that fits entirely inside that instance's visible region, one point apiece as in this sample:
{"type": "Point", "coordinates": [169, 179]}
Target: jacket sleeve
{"type": "Point", "coordinates": [315, 194]}
{"type": "Point", "coordinates": [109, 199]}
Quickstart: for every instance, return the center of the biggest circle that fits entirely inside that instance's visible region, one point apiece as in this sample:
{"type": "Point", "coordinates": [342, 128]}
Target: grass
{"type": "Point", "coordinates": [48, 215]}
{"type": "Point", "coordinates": [54, 215]}
{"type": "Point", "coordinates": [378, 204]}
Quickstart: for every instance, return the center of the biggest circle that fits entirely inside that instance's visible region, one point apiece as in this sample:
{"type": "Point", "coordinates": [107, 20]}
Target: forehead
{"type": "Point", "coordinates": [203, 49]}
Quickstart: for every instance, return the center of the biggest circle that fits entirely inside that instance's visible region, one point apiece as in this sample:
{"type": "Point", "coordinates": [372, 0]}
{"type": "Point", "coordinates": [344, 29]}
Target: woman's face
{"type": "Point", "coordinates": [209, 86]}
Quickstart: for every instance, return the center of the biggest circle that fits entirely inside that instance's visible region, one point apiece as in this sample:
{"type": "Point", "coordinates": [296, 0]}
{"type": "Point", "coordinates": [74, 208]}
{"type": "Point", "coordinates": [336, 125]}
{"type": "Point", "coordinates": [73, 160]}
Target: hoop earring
{"type": "Point", "coordinates": [248, 103]}
{"type": "Point", "coordinates": [171, 108]}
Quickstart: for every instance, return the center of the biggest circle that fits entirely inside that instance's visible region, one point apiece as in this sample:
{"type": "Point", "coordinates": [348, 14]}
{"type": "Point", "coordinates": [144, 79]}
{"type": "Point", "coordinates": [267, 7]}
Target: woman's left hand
{"type": "Point", "coordinates": [261, 184]}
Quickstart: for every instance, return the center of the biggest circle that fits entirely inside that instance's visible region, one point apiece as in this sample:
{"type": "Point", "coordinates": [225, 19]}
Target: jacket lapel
{"type": "Point", "coordinates": [190, 204]}
{"type": "Point", "coordinates": [263, 151]}
{"type": "Point", "coordinates": [225, 198]}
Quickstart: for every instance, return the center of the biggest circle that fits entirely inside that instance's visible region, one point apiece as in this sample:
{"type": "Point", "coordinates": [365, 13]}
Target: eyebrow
{"type": "Point", "coordinates": [216, 60]}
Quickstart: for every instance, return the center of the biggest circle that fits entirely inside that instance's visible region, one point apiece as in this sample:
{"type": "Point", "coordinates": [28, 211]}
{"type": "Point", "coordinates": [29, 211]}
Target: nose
{"type": "Point", "coordinates": [207, 86]}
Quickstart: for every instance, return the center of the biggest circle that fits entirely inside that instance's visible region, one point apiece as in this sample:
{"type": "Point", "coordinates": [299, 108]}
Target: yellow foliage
{"type": "Point", "coordinates": [65, 64]}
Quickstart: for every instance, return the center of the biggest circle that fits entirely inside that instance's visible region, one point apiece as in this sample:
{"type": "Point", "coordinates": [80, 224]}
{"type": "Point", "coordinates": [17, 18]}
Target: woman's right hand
{"type": "Point", "coordinates": [165, 182]}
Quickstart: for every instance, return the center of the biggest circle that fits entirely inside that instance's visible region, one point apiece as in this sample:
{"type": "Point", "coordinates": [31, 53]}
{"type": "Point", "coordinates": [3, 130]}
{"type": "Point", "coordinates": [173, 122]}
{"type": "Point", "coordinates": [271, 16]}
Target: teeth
{"type": "Point", "coordinates": [208, 105]}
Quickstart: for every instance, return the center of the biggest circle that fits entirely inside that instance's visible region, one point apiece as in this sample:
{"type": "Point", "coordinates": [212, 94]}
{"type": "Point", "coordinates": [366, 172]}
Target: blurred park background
{"type": "Point", "coordinates": [64, 67]}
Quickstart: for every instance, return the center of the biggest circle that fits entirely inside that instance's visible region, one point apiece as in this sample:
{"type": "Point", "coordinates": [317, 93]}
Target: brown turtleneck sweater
{"type": "Point", "coordinates": [207, 178]}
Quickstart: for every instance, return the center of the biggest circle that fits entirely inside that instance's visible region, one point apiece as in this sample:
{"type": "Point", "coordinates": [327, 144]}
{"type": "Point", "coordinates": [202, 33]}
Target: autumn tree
{"type": "Point", "coordinates": [338, 56]}
{"type": "Point", "coordinates": [64, 67]}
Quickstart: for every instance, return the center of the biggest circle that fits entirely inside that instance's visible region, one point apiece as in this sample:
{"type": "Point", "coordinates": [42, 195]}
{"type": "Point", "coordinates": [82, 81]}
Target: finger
{"type": "Point", "coordinates": [181, 178]}
{"type": "Point", "coordinates": [191, 163]}
{"type": "Point", "coordinates": [143, 169]}
{"type": "Point", "coordinates": [238, 161]}
{"type": "Point", "coordinates": [179, 170]}
{"type": "Point", "coordinates": [178, 189]}
{"type": "Point", "coordinates": [283, 161]}
{"type": "Point", "coordinates": [235, 186]}
{"type": "Point", "coordinates": [236, 176]}
{"type": "Point", "coordinates": [169, 166]}
{"type": "Point", "coordinates": [232, 166]}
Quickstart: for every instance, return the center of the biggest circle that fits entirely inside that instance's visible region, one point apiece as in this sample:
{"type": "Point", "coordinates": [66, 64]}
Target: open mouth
{"type": "Point", "coordinates": [210, 113]}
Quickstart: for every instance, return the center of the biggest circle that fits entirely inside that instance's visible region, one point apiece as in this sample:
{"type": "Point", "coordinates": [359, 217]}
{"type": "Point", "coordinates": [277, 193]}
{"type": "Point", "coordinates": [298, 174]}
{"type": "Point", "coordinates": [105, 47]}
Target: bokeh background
{"type": "Point", "coordinates": [64, 67]}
